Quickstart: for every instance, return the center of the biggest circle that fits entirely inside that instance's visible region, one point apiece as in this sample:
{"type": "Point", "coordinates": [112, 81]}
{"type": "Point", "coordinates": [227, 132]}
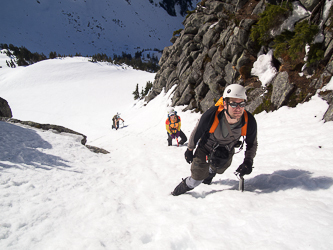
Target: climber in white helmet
{"type": "Point", "coordinates": [215, 138]}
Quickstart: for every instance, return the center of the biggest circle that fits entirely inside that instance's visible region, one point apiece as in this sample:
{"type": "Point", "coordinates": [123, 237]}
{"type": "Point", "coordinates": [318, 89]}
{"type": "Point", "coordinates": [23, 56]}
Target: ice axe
{"type": "Point", "coordinates": [241, 181]}
{"type": "Point", "coordinates": [177, 142]}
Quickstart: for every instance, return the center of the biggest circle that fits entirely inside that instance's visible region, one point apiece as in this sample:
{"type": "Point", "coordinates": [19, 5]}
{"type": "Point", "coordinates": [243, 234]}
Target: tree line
{"type": "Point", "coordinates": [24, 58]}
{"type": "Point", "coordinates": [150, 64]}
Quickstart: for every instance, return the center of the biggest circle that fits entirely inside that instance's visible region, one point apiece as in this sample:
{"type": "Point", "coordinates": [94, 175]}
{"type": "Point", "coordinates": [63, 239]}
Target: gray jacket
{"type": "Point", "coordinates": [225, 134]}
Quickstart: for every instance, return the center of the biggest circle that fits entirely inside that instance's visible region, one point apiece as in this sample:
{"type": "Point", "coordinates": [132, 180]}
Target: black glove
{"type": "Point", "coordinates": [245, 168]}
{"type": "Point", "coordinates": [189, 156]}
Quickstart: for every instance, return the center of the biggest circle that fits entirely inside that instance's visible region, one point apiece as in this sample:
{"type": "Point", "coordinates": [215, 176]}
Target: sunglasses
{"type": "Point", "coordinates": [235, 104]}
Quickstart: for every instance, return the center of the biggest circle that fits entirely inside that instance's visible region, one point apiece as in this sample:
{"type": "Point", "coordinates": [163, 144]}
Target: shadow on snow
{"type": "Point", "coordinates": [22, 146]}
{"type": "Point", "coordinates": [277, 181]}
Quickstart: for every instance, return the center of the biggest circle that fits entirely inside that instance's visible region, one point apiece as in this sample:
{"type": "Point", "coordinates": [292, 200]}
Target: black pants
{"type": "Point", "coordinates": [200, 167]}
{"type": "Point", "coordinates": [182, 137]}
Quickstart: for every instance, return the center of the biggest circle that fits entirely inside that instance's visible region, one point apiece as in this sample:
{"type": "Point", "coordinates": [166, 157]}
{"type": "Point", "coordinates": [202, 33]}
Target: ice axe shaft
{"type": "Point", "coordinates": [241, 184]}
{"type": "Point", "coordinates": [241, 181]}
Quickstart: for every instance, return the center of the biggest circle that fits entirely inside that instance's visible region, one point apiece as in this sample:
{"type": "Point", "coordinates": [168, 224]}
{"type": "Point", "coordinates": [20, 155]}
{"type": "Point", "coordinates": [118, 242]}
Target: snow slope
{"type": "Point", "coordinates": [56, 194]}
{"type": "Point", "coordinates": [87, 27]}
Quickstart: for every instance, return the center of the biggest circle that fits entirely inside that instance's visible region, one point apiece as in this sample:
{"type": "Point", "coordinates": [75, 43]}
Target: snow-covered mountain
{"type": "Point", "coordinates": [88, 27]}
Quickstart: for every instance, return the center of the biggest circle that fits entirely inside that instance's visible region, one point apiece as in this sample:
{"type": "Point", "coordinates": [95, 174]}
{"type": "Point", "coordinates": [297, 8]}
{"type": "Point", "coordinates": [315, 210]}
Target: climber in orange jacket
{"type": "Point", "coordinates": [173, 125]}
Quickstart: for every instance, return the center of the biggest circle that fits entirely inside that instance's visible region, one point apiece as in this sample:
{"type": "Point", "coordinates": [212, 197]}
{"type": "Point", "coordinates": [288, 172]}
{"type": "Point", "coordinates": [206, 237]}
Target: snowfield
{"type": "Point", "coordinates": [57, 194]}
{"type": "Point", "coordinates": [88, 27]}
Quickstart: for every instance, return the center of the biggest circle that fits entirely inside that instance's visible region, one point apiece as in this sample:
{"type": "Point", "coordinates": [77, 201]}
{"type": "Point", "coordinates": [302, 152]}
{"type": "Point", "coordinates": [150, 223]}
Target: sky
{"type": "Point", "coordinates": [57, 194]}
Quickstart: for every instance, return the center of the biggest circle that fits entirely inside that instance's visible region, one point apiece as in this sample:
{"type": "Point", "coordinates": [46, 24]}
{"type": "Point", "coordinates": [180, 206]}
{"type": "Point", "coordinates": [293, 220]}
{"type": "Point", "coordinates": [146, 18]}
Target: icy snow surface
{"type": "Point", "coordinates": [56, 194]}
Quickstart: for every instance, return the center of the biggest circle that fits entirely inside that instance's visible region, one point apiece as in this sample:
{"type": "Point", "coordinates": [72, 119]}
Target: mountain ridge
{"type": "Point", "coordinates": [81, 26]}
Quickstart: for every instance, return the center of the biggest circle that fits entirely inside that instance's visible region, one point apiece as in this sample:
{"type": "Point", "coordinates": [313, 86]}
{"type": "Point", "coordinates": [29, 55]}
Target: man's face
{"type": "Point", "coordinates": [234, 107]}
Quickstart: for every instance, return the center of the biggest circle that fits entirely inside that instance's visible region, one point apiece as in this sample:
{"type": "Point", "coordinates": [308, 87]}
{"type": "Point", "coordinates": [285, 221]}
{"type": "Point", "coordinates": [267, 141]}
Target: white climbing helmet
{"type": "Point", "coordinates": [235, 91]}
{"type": "Point", "coordinates": [171, 111]}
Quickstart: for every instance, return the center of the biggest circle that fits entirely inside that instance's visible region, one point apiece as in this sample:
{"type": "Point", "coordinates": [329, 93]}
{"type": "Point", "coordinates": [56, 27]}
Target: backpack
{"type": "Point", "coordinates": [173, 130]}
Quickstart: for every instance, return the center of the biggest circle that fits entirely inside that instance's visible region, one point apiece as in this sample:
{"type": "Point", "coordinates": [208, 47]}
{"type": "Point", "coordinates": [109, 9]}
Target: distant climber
{"type": "Point", "coordinates": [116, 118]}
{"type": "Point", "coordinates": [173, 125]}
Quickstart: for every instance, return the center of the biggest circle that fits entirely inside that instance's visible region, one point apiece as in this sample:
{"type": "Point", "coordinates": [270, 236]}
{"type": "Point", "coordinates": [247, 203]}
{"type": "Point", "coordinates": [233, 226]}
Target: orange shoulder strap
{"type": "Point", "coordinates": [216, 119]}
{"type": "Point", "coordinates": [244, 128]}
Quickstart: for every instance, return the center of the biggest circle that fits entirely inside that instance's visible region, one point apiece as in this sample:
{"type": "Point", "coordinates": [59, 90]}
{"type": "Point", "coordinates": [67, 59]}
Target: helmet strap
{"type": "Point", "coordinates": [228, 111]}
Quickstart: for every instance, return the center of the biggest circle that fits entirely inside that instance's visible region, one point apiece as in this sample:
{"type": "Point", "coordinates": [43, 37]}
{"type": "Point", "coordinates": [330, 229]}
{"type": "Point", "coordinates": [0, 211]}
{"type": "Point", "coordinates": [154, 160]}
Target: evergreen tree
{"type": "Point", "coordinates": [53, 55]}
{"type": "Point", "coordinates": [136, 92]}
{"type": "Point", "coordinates": [149, 85]}
{"type": "Point", "coordinates": [142, 94]}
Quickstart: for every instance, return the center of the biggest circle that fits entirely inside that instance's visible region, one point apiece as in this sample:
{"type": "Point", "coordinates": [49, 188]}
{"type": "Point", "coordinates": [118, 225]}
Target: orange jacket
{"type": "Point", "coordinates": [172, 126]}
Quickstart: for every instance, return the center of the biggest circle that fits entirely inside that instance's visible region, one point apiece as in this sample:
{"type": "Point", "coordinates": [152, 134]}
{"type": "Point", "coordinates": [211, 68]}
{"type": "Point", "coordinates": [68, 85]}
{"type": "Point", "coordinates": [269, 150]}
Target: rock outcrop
{"type": "Point", "coordinates": [58, 129]}
{"type": "Point", "coordinates": [5, 110]}
{"type": "Point", "coordinates": [215, 49]}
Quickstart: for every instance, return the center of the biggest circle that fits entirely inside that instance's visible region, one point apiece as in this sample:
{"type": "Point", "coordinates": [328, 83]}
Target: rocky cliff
{"type": "Point", "coordinates": [218, 47]}
{"type": "Point", "coordinates": [5, 110]}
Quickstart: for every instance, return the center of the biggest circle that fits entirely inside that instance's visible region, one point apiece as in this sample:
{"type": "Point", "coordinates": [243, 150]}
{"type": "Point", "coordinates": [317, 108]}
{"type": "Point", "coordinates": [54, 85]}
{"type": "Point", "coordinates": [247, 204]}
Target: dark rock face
{"type": "Point", "coordinates": [5, 110]}
{"type": "Point", "coordinates": [214, 50]}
